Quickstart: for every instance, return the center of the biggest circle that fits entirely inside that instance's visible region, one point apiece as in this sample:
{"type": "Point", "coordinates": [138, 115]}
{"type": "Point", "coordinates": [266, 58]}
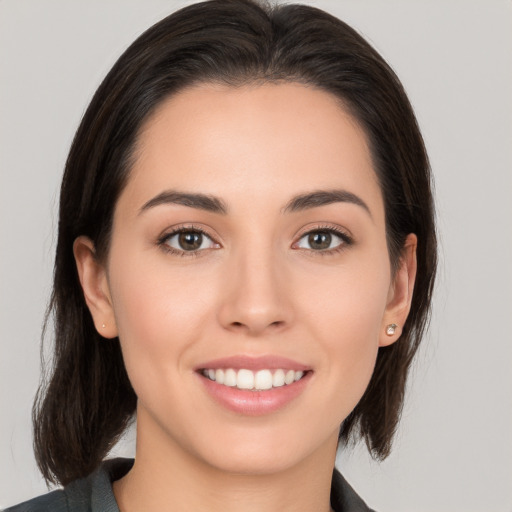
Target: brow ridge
{"type": "Point", "coordinates": [214, 204]}
{"type": "Point", "coordinates": [192, 200]}
{"type": "Point", "coordinates": [324, 197]}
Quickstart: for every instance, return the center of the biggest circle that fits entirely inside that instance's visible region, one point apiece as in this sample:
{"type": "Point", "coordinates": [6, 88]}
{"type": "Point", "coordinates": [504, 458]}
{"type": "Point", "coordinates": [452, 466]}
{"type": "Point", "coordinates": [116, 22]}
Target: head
{"type": "Point", "coordinates": [205, 54]}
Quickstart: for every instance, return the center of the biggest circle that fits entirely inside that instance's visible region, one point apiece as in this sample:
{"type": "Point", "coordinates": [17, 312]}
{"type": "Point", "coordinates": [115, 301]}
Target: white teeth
{"type": "Point", "coordinates": [289, 377]}
{"type": "Point", "coordinates": [278, 379]}
{"type": "Point", "coordinates": [245, 379]}
{"type": "Point", "coordinates": [249, 380]}
{"type": "Point", "coordinates": [219, 376]}
{"type": "Point", "coordinates": [230, 378]}
{"type": "Point", "coordinates": [263, 379]}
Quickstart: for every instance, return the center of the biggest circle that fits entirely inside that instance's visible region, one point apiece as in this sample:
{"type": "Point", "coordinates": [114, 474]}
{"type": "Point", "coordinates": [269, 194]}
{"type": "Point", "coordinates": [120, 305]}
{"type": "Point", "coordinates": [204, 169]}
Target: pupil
{"type": "Point", "coordinates": [190, 241]}
{"type": "Point", "coordinates": [320, 240]}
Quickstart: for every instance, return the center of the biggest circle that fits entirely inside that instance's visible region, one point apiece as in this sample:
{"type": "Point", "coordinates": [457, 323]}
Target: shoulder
{"type": "Point", "coordinates": [54, 501]}
{"type": "Point", "coordinates": [344, 498]}
{"type": "Point", "coordinates": [75, 497]}
{"type": "Point", "coordinates": [91, 494]}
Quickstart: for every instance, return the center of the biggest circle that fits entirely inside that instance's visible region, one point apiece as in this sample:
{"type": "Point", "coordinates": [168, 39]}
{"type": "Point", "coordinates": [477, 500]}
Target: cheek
{"type": "Point", "coordinates": [159, 310]}
{"type": "Point", "coordinates": [351, 304]}
{"type": "Point", "coordinates": [346, 321]}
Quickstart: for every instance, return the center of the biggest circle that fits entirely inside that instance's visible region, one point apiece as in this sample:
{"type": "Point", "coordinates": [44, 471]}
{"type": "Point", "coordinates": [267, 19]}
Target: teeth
{"type": "Point", "coordinates": [249, 380]}
{"type": "Point", "coordinates": [289, 377]}
{"type": "Point", "coordinates": [245, 379]}
{"type": "Point", "coordinates": [229, 378]}
{"type": "Point", "coordinates": [278, 378]}
{"type": "Point", "coordinates": [263, 379]}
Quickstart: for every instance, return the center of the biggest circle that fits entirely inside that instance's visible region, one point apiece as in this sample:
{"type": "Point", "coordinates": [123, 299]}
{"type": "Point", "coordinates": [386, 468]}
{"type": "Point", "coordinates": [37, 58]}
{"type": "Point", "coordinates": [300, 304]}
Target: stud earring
{"type": "Point", "coordinates": [103, 325]}
{"type": "Point", "coordinates": [390, 329]}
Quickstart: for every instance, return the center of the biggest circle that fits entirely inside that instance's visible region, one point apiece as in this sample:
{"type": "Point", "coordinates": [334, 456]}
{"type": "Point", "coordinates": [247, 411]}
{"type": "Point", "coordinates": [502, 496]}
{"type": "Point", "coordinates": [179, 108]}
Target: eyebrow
{"type": "Point", "coordinates": [215, 205]}
{"type": "Point", "coordinates": [199, 201]}
{"type": "Point", "coordinates": [322, 198]}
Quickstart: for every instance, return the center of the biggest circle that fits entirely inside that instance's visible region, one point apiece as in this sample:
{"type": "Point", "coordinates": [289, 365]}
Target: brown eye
{"type": "Point", "coordinates": [189, 240]}
{"type": "Point", "coordinates": [323, 240]}
{"type": "Point", "coordinates": [319, 240]}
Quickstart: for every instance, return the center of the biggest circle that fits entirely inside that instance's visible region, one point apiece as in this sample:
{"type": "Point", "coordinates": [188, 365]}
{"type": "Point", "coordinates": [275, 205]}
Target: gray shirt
{"type": "Point", "coordinates": [94, 493]}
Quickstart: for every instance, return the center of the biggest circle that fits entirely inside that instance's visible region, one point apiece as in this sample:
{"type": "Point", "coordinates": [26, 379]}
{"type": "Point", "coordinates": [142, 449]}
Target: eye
{"type": "Point", "coordinates": [323, 240]}
{"type": "Point", "coordinates": [188, 240]}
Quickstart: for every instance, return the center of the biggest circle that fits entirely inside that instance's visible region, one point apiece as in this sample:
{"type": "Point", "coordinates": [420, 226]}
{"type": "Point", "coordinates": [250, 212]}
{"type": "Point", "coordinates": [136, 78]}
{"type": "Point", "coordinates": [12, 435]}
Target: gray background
{"type": "Point", "coordinates": [453, 451]}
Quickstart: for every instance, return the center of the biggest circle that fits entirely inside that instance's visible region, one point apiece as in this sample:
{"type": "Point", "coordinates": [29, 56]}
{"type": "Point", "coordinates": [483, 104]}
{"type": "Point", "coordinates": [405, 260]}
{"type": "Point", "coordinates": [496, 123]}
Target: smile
{"type": "Point", "coordinates": [249, 380]}
{"type": "Point", "coordinates": [254, 385]}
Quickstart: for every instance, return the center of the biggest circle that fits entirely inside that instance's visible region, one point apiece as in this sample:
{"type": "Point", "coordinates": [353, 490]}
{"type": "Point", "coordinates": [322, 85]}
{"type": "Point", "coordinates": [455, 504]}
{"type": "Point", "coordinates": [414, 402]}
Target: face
{"type": "Point", "coordinates": [248, 277]}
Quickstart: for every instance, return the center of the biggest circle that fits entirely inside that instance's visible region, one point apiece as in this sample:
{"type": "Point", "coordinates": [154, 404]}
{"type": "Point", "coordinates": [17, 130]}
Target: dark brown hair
{"type": "Point", "coordinates": [88, 401]}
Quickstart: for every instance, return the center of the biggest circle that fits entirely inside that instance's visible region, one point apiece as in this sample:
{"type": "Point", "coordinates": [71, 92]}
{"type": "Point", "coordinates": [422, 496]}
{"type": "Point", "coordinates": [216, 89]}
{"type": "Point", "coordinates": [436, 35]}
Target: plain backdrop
{"type": "Point", "coordinates": [453, 451]}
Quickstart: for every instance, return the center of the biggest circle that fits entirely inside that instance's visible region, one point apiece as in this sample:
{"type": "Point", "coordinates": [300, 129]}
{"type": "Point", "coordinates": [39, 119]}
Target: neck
{"type": "Point", "coordinates": [165, 476]}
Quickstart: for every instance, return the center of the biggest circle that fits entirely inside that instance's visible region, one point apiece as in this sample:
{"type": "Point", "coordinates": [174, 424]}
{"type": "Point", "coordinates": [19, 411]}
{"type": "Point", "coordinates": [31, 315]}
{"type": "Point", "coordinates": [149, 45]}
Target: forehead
{"type": "Point", "coordinates": [269, 141]}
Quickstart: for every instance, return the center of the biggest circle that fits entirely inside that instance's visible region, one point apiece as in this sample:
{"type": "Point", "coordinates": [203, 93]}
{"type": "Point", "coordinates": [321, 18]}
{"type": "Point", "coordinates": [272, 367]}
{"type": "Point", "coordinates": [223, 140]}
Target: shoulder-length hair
{"type": "Point", "coordinates": [87, 402]}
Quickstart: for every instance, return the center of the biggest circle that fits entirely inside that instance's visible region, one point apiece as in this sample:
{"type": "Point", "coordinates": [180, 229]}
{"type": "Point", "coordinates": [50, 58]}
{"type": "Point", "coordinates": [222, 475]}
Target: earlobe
{"type": "Point", "coordinates": [400, 294]}
{"type": "Point", "coordinates": [95, 287]}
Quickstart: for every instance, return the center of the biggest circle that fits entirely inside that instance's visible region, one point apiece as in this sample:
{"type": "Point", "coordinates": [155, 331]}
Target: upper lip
{"type": "Point", "coordinates": [267, 362]}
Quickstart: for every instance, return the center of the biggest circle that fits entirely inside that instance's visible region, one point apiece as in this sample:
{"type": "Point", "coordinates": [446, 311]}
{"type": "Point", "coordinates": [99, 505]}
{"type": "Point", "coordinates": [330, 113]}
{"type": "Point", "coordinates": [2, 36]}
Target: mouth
{"type": "Point", "coordinates": [254, 386]}
{"type": "Point", "coordinates": [249, 380]}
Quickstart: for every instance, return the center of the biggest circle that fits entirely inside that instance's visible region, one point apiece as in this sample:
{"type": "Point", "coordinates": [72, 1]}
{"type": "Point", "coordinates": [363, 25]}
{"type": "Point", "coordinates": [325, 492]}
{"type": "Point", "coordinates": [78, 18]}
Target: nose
{"type": "Point", "coordinates": [256, 294]}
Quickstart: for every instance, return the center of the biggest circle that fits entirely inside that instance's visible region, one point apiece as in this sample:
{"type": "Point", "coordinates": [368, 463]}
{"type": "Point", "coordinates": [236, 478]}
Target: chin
{"type": "Point", "coordinates": [267, 452]}
{"type": "Point", "coordinates": [253, 464]}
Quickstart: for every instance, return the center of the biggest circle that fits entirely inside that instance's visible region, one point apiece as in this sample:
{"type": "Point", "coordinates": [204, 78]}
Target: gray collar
{"type": "Point", "coordinates": [95, 494]}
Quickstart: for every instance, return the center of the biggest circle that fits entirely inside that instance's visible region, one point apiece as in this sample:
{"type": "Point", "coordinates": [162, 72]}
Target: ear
{"type": "Point", "coordinates": [400, 293]}
{"type": "Point", "coordinates": [93, 279]}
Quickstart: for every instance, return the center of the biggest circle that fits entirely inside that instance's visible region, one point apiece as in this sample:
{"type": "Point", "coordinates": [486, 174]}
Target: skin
{"type": "Point", "coordinates": [257, 289]}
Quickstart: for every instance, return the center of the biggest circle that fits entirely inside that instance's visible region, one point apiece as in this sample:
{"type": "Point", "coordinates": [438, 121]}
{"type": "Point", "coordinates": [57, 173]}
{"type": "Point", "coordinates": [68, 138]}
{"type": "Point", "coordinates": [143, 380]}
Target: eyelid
{"type": "Point", "coordinates": [342, 233]}
{"type": "Point", "coordinates": [181, 228]}
{"type": "Point", "coordinates": [336, 230]}
{"type": "Point", "coordinates": [325, 226]}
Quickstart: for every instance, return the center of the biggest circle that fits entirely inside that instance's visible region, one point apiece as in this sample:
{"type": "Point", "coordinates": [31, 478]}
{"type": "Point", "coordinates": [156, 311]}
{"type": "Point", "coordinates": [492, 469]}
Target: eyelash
{"type": "Point", "coordinates": [346, 239]}
{"type": "Point", "coordinates": [163, 240]}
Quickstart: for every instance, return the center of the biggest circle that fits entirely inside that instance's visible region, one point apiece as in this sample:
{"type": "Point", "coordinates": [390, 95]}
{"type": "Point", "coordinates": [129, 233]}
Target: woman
{"type": "Point", "coordinates": [245, 261]}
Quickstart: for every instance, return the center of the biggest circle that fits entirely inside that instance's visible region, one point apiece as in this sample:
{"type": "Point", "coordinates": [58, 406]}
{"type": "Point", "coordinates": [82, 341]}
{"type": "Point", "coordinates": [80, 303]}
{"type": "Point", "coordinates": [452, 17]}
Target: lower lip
{"type": "Point", "coordinates": [255, 403]}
